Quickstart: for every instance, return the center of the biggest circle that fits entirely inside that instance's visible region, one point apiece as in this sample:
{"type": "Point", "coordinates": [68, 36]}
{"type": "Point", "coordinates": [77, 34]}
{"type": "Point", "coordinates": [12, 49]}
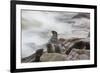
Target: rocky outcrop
{"type": "Point", "coordinates": [81, 15]}
{"type": "Point", "coordinates": [77, 43]}
{"type": "Point", "coordinates": [53, 57]}
{"type": "Point", "coordinates": [79, 54]}
{"type": "Point", "coordinates": [74, 49]}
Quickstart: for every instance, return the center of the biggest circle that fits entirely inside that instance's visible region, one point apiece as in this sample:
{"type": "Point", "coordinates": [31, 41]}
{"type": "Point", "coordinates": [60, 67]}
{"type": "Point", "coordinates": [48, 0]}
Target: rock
{"type": "Point", "coordinates": [61, 40]}
{"type": "Point", "coordinates": [73, 55]}
{"type": "Point", "coordinates": [84, 57]}
{"type": "Point", "coordinates": [53, 57]}
{"type": "Point", "coordinates": [78, 44]}
{"type": "Point", "coordinates": [82, 51]}
{"type": "Point", "coordinates": [81, 45]}
{"type": "Point", "coordinates": [82, 15]}
{"type": "Point", "coordinates": [78, 54]}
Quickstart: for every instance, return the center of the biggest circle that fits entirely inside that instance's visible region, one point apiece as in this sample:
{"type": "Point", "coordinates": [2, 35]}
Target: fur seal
{"type": "Point", "coordinates": [54, 37]}
{"type": "Point", "coordinates": [38, 54]}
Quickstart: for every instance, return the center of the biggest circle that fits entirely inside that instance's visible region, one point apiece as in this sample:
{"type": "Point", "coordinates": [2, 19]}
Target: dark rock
{"type": "Point", "coordinates": [81, 45]}
{"type": "Point", "coordinates": [81, 15]}
{"type": "Point", "coordinates": [78, 44]}
{"type": "Point", "coordinates": [79, 54]}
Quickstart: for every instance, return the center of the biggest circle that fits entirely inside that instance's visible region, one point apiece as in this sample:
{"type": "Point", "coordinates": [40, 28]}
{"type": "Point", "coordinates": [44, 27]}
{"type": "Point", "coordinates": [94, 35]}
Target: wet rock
{"type": "Point", "coordinates": [53, 57]}
{"type": "Point", "coordinates": [81, 45]}
{"type": "Point", "coordinates": [82, 15]}
{"type": "Point", "coordinates": [78, 54]}
{"type": "Point", "coordinates": [73, 55]}
{"type": "Point", "coordinates": [78, 44]}
{"type": "Point", "coordinates": [84, 57]}
{"type": "Point", "coordinates": [82, 51]}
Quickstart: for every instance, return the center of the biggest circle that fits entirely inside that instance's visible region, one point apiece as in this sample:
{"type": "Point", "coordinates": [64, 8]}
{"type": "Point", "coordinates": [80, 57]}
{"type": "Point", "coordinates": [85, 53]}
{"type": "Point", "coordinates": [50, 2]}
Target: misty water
{"type": "Point", "coordinates": [37, 27]}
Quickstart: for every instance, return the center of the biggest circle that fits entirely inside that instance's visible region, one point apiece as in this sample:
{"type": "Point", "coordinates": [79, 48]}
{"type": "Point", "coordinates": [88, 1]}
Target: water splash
{"type": "Point", "coordinates": [37, 25]}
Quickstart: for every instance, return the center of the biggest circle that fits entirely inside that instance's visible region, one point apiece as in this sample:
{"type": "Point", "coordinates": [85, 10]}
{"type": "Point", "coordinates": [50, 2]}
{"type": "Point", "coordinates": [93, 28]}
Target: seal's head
{"type": "Point", "coordinates": [54, 32]}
